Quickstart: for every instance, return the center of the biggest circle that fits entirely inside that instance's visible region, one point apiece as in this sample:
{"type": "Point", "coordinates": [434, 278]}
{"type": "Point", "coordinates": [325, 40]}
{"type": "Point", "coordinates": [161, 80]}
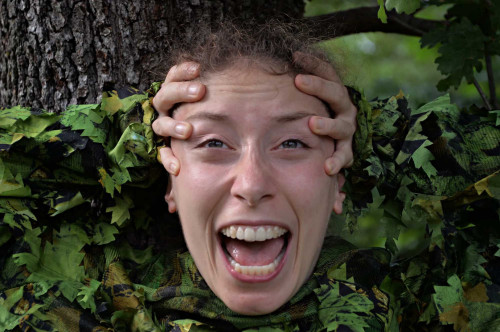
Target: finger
{"type": "Point", "coordinates": [168, 127]}
{"type": "Point", "coordinates": [185, 71]}
{"type": "Point", "coordinates": [341, 158]}
{"type": "Point", "coordinates": [334, 93]}
{"type": "Point", "coordinates": [316, 66]}
{"type": "Point", "coordinates": [177, 92]}
{"type": "Point", "coordinates": [344, 148]}
{"type": "Point", "coordinates": [337, 128]}
{"type": "Point", "coordinates": [340, 180]}
{"type": "Point", "coordinates": [169, 161]}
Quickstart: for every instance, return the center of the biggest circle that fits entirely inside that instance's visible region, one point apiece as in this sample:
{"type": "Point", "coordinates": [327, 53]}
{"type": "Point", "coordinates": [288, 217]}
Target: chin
{"type": "Point", "coordinates": [254, 303]}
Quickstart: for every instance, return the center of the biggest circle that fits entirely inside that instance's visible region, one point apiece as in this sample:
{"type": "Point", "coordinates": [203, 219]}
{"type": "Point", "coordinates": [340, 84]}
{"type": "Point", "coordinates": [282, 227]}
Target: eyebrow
{"type": "Point", "coordinates": [208, 116]}
{"type": "Point", "coordinates": [291, 117]}
{"type": "Point", "coordinates": [225, 118]}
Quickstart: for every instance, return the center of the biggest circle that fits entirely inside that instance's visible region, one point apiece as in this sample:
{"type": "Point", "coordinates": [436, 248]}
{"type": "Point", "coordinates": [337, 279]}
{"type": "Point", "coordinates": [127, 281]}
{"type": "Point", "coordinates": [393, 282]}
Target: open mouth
{"type": "Point", "coordinates": [254, 251]}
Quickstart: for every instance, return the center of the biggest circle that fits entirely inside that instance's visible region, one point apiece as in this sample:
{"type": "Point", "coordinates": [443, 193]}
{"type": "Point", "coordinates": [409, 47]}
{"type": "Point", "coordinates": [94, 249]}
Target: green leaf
{"type": "Point", "coordinates": [465, 313]}
{"type": "Point", "coordinates": [10, 185]}
{"type": "Point", "coordinates": [447, 296]}
{"type": "Point", "coordinates": [339, 273]}
{"type": "Point", "coordinates": [35, 125]}
{"type": "Point", "coordinates": [69, 288]}
{"type": "Point", "coordinates": [471, 265]}
{"type": "Point", "coordinates": [462, 51]}
{"type": "Point", "coordinates": [8, 320]}
{"type": "Point", "coordinates": [422, 158]}
{"type": "Point", "coordinates": [86, 295]}
{"type": "Point", "coordinates": [381, 14]}
{"type": "Point", "coordinates": [87, 118]}
{"type": "Point", "coordinates": [403, 6]}
{"type": "Point", "coordinates": [65, 203]}
{"type": "Point", "coordinates": [496, 116]}
{"type": "Point", "coordinates": [5, 235]}
{"type": "Point", "coordinates": [441, 104]}
{"type": "Point", "coordinates": [349, 309]}
{"type": "Point", "coordinates": [59, 261]}
{"type": "Point", "coordinates": [104, 233]}
{"type": "Point", "coordinates": [11, 115]}
{"type": "Point", "coordinates": [106, 181]}
{"type": "Point", "coordinates": [120, 212]}
{"type": "Point", "coordinates": [484, 316]}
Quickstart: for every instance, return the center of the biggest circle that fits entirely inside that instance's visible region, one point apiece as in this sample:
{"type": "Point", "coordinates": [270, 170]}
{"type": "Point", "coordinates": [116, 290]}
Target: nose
{"type": "Point", "coordinates": [253, 182]}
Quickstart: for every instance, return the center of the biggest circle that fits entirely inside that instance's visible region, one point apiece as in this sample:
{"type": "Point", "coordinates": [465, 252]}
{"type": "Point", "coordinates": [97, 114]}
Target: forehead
{"type": "Point", "coordinates": [252, 92]}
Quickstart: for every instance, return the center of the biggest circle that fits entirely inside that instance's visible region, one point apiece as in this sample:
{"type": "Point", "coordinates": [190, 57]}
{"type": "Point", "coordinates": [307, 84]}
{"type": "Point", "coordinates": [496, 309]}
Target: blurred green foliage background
{"type": "Point", "coordinates": [381, 64]}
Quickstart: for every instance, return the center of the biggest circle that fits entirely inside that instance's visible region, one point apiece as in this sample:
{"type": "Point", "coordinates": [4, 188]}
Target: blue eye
{"type": "Point", "coordinates": [292, 144]}
{"type": "Point", "coordinates": [214, 143]}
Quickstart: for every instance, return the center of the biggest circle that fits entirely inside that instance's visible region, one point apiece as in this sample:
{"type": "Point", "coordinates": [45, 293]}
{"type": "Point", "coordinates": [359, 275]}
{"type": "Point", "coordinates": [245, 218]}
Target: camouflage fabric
{"type": "Point", "coordinates": [87, 243]}
{"type": "Point", "coordinates": [435, 170]}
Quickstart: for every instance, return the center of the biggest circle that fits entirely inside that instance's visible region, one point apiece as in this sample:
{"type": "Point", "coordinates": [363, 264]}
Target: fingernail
{"type": "Point", "coordinates": [172, 167]}
{"type": "Point", "coordinates": [319, 123]}
{"type": "Point", "coordinates": [181, 129]}
{"type": "Point", "coordinates": [193, 90]}
{"type": "Point", "coordinates": [306, 80]}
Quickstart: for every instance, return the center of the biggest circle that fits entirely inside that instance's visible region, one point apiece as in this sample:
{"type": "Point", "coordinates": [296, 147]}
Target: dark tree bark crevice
{"type": "Point", "coordinates": [61, 52]}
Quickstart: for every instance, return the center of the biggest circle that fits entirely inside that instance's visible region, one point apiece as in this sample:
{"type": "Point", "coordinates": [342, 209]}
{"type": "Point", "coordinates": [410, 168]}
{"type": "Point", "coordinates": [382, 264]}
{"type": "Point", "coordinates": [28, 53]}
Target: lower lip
{"type": "Point", "coordinates": [254, 278]}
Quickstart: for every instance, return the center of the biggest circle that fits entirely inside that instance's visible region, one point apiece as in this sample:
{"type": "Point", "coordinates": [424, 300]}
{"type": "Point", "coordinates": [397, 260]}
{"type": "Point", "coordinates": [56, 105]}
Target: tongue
{"type": "Point", "coordinates": [256, 253]}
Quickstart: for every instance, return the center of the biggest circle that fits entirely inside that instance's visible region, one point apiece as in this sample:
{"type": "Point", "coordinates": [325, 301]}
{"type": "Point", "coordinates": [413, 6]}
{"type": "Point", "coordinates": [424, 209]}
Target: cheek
{"type": "Point", "coordinates": [312, 195]}
{"type": "Point", "coordinates": [197, 184]}
{"type": "Point", "coordinates": [308, 184]}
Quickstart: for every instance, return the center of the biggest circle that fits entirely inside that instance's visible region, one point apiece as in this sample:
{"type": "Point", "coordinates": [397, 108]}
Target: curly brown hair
{"type": "Point", "coordinates": [270, 46]}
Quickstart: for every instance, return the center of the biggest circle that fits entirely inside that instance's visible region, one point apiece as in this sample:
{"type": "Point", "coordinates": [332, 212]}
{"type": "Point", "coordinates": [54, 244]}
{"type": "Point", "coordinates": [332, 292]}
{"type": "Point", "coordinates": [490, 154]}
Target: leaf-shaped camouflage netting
{"type": "Point", "coordinates": [87, 242]}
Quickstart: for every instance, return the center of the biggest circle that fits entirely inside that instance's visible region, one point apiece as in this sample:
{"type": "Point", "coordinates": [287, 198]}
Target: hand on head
{"type": "Point", "coordinates": [177, 88]}
{"type": "Point", "coordinates": [324, 84]}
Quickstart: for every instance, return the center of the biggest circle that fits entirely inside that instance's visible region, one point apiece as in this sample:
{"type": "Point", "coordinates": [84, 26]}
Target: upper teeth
{"type": "Point", "coordinates": [251, 234]}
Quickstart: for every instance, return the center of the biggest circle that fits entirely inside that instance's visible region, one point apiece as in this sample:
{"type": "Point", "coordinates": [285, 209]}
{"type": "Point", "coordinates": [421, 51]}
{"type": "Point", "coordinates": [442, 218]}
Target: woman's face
{"type": "Point", "coordinates": [252, 194]}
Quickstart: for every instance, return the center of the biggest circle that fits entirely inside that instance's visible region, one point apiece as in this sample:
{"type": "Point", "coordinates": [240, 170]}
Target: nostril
{"type": "Point", "coordinates": [252, 182]}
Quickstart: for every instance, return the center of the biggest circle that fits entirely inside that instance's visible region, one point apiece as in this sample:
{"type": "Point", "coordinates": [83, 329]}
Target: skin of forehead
{"type": "Point", "coordinates": [248, 79]}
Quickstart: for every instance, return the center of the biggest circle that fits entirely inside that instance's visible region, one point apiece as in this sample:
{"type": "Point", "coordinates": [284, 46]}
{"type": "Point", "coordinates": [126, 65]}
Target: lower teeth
{"type": "Point", "coordinates": [252, 270]}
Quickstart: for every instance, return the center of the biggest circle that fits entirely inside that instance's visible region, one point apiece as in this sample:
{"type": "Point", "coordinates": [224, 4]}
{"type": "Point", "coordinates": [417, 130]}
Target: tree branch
{"type": "Point", "coordinates": [364, 19]}
{"type": "Point", "coordinates": [491, 80]}
{"type": "Point", "coordinates": [481, 93]}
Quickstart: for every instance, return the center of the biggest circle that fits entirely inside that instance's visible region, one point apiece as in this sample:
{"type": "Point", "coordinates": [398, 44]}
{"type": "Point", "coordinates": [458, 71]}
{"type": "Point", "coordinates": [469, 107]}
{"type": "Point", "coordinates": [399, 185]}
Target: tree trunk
{"type": "Point", "coordinates": [55, 53]}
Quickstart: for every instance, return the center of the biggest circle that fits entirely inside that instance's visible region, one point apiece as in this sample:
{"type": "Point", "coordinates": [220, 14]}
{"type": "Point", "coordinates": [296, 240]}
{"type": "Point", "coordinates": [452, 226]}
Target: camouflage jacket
{"type": "Point", "coordinates": [88, 245]}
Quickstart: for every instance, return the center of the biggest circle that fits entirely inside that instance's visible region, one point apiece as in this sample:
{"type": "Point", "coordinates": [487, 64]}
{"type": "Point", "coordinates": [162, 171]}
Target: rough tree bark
{"type": "Point", "coordinates": [59, 52]}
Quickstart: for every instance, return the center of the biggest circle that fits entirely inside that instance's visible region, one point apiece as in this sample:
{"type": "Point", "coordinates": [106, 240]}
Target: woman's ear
{"type": "Point", "coordinates": [339, 194]}
{"type": "Point", "coordinates": [170, 198]}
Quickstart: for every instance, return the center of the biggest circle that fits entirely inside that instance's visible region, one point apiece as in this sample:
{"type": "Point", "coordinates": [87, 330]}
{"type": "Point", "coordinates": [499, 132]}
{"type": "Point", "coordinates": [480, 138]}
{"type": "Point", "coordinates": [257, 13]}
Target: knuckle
{"type": "Point", "coordinates": [154, 102]}
{"type": "Point", "coordinates": [340, 92]}
{"type": "Point", "coordinates": [160, 104]}
{"type": "Point", "coordinates": [161, 126]}
{"type": "Point", "coordinates": [167, 153]}
{"type": "Point", "coordinates": [157, 105]}
{"type": "Point", "coordinates": [340, 158]}
{"type": "Point", "coordinates": [332, 126]}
